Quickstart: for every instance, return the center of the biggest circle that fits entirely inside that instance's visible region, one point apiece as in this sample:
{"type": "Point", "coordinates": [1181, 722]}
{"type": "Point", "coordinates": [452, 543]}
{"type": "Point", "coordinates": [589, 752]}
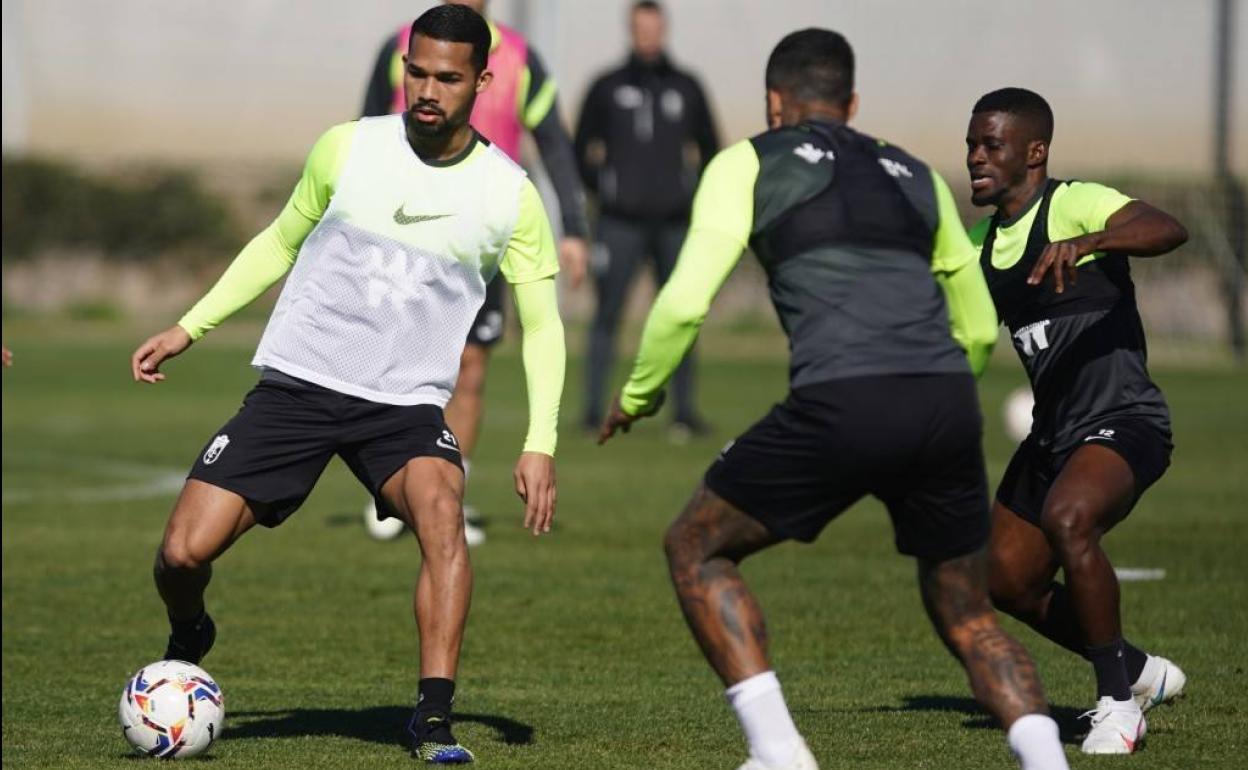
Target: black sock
{"type": "Point", "coordinates": [1059, 624]}
{"type": "Point", "coordinates": [1135, 658]}
{"type": "Point", "coordinates": [1111, 670]}
{"type": "Point", "coordinates": [436, 695]}
{"type": "Point", "coordinates": [184, 628]}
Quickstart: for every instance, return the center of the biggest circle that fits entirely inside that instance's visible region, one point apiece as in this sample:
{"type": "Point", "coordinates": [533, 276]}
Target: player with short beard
{"type": "Point", "coordinates": [1101, 429]}
{"type": "Point", "coordinates": [393, 232]}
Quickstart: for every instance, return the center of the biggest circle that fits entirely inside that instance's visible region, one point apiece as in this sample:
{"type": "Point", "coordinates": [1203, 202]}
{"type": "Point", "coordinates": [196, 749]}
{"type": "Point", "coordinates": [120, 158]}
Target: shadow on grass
{"type": "Point", "coordinates": [380, 724]}
{"type": "Point", "coordinates": [1067, 718]}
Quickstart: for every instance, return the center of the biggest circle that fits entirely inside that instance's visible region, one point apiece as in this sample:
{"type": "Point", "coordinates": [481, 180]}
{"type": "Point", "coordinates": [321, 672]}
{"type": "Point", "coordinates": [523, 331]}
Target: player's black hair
{"type": "Point", "coordinates": [1027, 105]}
{"type": "Point", "coordinates": [647, 5]}
{"type": "Point", "coordinates": [453, 23]}
{"type": "Point", "coordinates": [813, 65]}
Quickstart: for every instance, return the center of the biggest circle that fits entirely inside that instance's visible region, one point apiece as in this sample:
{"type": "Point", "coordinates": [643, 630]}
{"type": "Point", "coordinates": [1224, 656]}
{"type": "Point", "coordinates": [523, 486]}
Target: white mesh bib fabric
{"type": "Point", "coordinates": [381, 297]}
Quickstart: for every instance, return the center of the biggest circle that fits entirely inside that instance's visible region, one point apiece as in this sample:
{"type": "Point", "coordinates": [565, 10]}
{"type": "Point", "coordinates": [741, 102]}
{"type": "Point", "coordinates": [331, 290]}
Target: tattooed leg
{"type": "Point", "coordinates": [704, 546]}
{"type": "Point", "coordinates": [1002, 674]}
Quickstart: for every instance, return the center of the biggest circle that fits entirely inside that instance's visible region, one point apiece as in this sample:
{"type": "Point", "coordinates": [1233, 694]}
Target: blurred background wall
{"type": "Point", "coordinates": [1131, 81]}
{"type": "Point", "coordinates": [146, 114]}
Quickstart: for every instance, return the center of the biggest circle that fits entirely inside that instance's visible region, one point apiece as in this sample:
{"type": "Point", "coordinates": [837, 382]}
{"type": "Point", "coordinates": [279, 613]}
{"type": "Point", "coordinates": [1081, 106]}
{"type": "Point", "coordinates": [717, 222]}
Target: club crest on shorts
{"type": "Point", "coordinates": [215, 449]}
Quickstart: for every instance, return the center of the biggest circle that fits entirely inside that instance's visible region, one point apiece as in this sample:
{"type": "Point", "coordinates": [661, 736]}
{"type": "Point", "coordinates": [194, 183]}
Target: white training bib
{"type": "Point", "coordinates": [382, 295]}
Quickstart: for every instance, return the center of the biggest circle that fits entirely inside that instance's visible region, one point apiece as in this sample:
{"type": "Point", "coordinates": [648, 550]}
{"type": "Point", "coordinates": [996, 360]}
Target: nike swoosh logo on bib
{"type": "Point", "coordinates": [406, 219]}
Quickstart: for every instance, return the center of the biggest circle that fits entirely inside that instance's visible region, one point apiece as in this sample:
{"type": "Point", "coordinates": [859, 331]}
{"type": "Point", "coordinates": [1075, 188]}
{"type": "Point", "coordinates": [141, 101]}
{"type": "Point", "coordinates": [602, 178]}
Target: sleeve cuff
{"type": "Point", "coordinates": [634, 405]}
{"type": "Point", "coordinates": [539, 448]}
{"type": "Point", "coordinates": [195, 331]}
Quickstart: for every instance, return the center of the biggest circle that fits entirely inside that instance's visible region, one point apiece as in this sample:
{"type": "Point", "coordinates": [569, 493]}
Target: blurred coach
{"type": "Point", "coordinates": [645, 133]}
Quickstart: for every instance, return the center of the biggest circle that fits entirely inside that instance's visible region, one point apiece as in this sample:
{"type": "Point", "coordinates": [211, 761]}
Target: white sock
{"type": "Point", "coordinates": [1035, 741]}
{"type": "Point", "coordinates": [769, 730]}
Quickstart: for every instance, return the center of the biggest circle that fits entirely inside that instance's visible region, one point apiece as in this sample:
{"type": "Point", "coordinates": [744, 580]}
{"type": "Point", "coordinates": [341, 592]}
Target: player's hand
{"type": "Point", "coordinates": [146, 361]}
{"type": "Point", "coordinates": [574, 259]}
{"type": "Point", "coordinates": [8, 355]}
{"type": "Point", "coordinates": [1060, 257]}
{"type": "Point", "coordinates": [618, 419]}
{"type": "Point", "coordinates": [535, 484]}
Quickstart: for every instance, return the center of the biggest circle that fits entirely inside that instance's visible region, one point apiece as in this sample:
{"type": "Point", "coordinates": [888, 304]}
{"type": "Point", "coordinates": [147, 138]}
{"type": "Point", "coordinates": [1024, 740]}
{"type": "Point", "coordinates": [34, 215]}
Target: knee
{"type": "Point", "coordinates": [681, 548]}
{"type": "Point", "coordinates": [177, 554]}
{"type": "Point", "coordinates": [440, 524]}
{"type": "Point", "coordinates": [1069, 525]}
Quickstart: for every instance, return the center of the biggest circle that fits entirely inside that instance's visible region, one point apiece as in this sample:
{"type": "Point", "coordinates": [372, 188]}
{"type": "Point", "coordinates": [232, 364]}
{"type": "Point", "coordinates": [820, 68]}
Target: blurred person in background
{"type": "Point", "coordinates": [645, 134]}
{"type": "Point", "coordinates": [521, 98]}
{"type": "Point", "coordinates": [1101, 433]}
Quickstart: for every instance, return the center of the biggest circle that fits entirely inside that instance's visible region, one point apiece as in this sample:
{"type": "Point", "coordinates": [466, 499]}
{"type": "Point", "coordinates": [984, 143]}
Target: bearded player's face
{"type": "Point", "coordinates": [440, 84]}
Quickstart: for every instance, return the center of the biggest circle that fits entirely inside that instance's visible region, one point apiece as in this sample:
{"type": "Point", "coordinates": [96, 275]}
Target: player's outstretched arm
{"type": "Point", "coordinates": [705, 261]}
{"type": "Point", "coordinates": [260, 264]}
{"type": "Point", "coordinates": [544, 357]}
{"type": "Point", "coordinates": [1136, 228]}
{"type": "Point", "coordinates": [723, 215]}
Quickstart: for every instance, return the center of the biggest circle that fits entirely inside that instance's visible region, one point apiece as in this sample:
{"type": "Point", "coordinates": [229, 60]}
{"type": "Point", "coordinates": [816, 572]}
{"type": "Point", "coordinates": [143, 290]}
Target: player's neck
{"type": "Point", "coordinates": [441, 148]}
{"type": "Point", "coordinates": [823, 112]}
{"type": "Point", "coordinates": [1017, 199]}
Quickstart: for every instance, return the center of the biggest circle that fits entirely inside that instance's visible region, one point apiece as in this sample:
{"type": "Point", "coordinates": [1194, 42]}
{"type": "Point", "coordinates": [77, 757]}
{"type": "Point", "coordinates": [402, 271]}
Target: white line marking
{"type": "Point", "coordinates": [1139, 574]}
{"type": "Point", "coordinates": [143, 481]}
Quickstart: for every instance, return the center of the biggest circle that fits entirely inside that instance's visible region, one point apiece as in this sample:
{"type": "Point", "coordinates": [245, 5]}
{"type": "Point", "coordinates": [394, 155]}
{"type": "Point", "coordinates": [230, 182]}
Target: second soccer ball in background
{"type": "Point", "coordinates": [1016, 413]}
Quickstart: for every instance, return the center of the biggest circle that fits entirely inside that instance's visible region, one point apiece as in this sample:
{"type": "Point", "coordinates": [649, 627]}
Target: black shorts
{"type": "Point", "coordinates": [487, 327]}
{"type": "Point", "coordinates": [913, 441]}
{"type": "Point", "coordinates": [1145, 446]}
{"type": "Point", "coordinates": [275, 448]}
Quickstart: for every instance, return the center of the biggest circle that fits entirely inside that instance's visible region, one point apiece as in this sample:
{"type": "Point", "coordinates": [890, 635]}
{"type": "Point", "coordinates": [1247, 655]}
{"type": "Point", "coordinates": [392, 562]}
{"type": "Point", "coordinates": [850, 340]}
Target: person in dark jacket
{"type": "Point", "coordinates": [644, 135]}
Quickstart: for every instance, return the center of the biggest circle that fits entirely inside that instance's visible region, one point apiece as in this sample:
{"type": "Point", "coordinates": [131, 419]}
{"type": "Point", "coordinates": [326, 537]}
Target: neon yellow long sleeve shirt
{"type": "Point", "coordinates": [529, 263]}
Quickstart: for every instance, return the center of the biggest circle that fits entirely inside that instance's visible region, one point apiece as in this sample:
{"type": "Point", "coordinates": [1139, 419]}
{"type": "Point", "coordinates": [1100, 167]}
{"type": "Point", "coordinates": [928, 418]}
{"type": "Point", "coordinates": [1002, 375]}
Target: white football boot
{"type": "Point", "coordinates": [803, 760]}
{"type": "Point", "coordinates": [473, 532]}
{"type": "Point", "coordinates": [1117, 727]}
{"type": "Point", "coordinates": [381, 529]}
{"type": "Point", "coordinates": [1160, 681]}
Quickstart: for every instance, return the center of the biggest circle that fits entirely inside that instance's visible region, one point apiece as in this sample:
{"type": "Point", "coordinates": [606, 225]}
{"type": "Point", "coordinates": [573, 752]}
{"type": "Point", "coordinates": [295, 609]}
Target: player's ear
{"type": "Point", "coordinates": [483, 80]}
{"type": "Point", "coordinates": [1037, 153]}
{"type": "Point", "coordinates": [851, 109]}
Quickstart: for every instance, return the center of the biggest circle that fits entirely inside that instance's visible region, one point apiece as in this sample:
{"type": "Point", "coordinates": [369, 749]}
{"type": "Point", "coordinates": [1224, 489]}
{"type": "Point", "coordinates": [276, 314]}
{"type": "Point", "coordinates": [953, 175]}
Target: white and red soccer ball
{"type": "Point", "coordinates": [171, 709]}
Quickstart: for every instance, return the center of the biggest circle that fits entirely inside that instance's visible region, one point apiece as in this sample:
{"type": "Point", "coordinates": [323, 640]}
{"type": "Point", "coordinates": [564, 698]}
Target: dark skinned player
{"type": "Point", "coordinates": [1055, 258]}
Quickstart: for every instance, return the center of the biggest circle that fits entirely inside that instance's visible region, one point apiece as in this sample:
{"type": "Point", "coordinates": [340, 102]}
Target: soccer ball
{"type": "Point", "coordinates": [171, 709]}
{"type": "Point", "coordinates": [1016, 413]}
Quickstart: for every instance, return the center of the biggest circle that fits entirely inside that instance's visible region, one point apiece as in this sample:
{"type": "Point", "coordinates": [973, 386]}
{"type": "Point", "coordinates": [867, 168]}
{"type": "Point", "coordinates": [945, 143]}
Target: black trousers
{"type": "Point", "coordinates": [621, 246]}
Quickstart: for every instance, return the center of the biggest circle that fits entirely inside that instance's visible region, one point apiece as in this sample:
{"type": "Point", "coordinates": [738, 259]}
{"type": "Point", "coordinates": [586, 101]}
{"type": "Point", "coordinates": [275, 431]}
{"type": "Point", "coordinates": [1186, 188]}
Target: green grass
{"type": "Point", "coordinates": [576, 655]}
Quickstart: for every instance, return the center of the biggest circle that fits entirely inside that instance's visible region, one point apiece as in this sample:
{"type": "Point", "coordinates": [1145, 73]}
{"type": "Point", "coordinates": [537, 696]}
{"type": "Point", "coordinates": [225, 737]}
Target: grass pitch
{"type": "Point", "coordinates": [576, 655]}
